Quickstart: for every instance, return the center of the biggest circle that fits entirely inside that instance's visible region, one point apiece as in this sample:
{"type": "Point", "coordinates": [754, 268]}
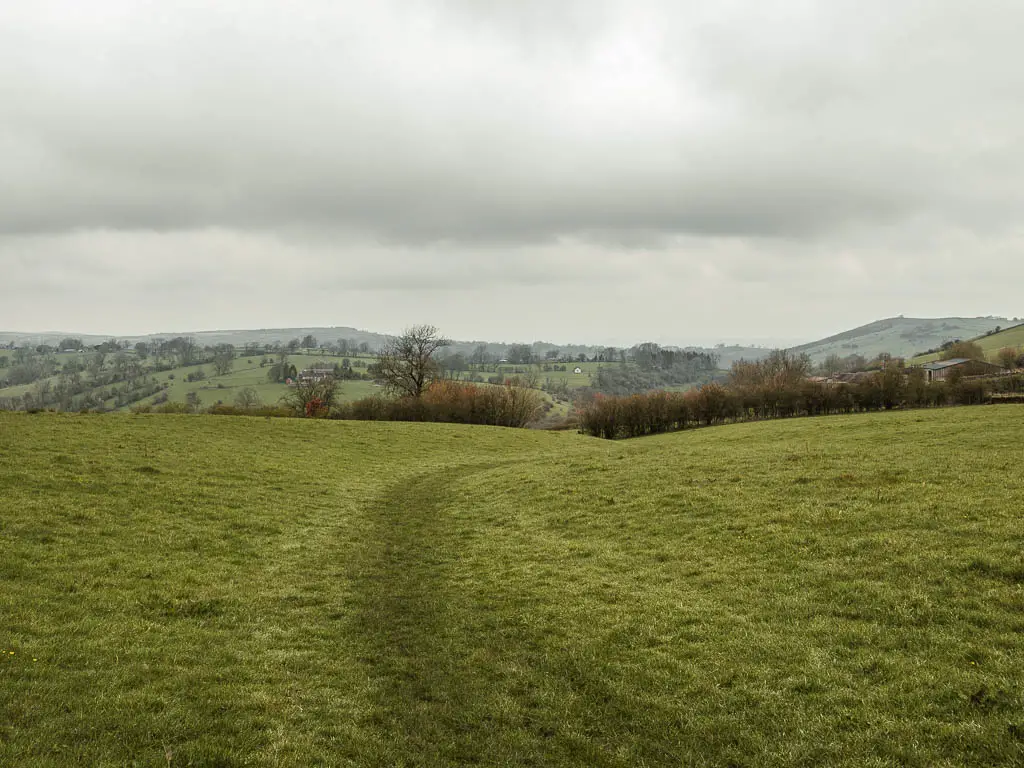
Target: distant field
{"type": "Point", "coordinates": [248, 373]}
{"type": "Point", "coordinates": [263, 592]}
{"type": "Point", "coordinates": [21, 389]}
{"type": "Point", "coordinates": [573, 380]}
{"type": "Point", "coordinates": [1011, 337]}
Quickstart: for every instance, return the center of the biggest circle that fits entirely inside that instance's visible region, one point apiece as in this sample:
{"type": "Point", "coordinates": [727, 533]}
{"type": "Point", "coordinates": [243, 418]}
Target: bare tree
{"type": "Point", "coordinates": [187, 349]}
{"type": "Point", "coordinates": [406, 364]}
{"type": "Point", "coordinates": [520, 353]}
{"type": "Point", "coordinates": [247, 398]}
{"type": "Point", "coordinates": [223, 359]}
{"type": "Point", "coordinates": [832, 365]}
{"type": "Point", "coordinates": [313, 398]}
{"type": "Point", "coordinates": [1008, 357]}
{"type": "Point", "coordinates": [969, 350]}
{"type": "Point", "coordinates": [480, 355]}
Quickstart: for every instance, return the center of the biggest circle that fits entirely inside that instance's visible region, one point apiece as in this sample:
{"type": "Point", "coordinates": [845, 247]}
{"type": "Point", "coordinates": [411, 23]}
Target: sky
{"type": "Point", "coordinates": [593, 171]}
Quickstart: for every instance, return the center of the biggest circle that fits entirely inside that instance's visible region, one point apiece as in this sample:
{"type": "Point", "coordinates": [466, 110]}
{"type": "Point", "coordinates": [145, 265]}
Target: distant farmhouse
{"type": "Point", "coordinates": [941, 369]}
{"type": "Point", "coordinates": [317, 373]}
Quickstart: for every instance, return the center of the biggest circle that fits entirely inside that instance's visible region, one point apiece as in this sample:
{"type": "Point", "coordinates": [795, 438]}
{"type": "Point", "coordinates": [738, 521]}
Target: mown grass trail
{"type": "Point", "coordinates": [838, 591]}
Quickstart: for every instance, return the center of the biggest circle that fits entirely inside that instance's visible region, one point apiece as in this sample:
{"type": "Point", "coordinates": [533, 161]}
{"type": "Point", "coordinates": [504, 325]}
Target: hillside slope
{"type": "Point", "coordinates": [990, 343]}
{"type": "Point", "coordinates": [899, 336]}
{"type": "Point", "coordinates": [231, 591]}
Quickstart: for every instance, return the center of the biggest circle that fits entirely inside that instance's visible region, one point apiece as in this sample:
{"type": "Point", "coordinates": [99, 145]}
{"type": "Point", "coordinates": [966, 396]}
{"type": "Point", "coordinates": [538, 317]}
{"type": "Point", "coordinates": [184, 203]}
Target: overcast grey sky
{"type": "Point", "coordinates": [587, 170]}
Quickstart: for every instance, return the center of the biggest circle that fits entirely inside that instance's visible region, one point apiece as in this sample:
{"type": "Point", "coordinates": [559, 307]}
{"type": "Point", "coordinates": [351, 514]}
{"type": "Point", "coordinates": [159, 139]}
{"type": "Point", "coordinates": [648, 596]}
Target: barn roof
{"type": "Point", "coordinates": [938, 365]}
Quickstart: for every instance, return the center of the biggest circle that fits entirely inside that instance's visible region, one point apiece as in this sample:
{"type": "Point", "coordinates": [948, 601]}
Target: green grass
{"type": "Point", "coordinates": [248, 373]}
{"type": "Point", "coordinates": [242, 591]}
{"type": "Point", "coordinates": [1011, 337]}
{"type": "Point", "coordinates": [574, 380]}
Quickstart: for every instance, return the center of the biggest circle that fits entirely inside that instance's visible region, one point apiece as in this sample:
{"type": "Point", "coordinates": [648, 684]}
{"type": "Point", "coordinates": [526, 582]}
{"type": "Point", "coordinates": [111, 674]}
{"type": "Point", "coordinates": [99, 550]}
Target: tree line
{"type": "Point", "coordinates": [777, 387]}
{"type": "Point", "coordinates": [413, 378]}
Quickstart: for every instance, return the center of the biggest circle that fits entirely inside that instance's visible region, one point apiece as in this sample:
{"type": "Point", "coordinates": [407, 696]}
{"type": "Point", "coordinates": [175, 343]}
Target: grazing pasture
{"type": "Point", "coordinates": [214, 388]}
{"type": "Point", "coordinates": [990, 344]}
{"type": "Point", "coordinates": [568, 377]}
{"type": "Point", "coordinates": [191, 590]}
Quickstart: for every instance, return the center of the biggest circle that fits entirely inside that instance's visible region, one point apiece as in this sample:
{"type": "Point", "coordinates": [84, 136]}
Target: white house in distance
{"type": "Point", "coordinates": [578, 370]}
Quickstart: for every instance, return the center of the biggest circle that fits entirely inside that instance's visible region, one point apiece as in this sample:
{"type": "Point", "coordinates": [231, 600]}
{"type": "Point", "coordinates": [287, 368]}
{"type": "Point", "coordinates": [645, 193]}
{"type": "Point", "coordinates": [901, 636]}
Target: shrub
{"type": "Point", "coordinates": [509, 405]}
{"type": "Point", "coordinates": [636, 415]}
{"type": "Point", "coordinates": [224, 409]}
{"type": "Point", "coordinates": [1007, 357]}
{"type": "Point", "coordinates": [174, 408]}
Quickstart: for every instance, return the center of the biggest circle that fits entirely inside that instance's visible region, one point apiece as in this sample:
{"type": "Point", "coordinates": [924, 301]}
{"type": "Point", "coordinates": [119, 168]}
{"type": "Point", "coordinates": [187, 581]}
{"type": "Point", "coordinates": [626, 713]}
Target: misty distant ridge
{"type": "Point", "coordinates": [899, 336]}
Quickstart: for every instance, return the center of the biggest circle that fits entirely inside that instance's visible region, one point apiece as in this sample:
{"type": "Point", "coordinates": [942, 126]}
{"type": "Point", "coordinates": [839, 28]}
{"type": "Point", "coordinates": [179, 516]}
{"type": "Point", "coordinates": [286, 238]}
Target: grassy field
{"type": "Point", "coordinates": [248, 373]}
{"type": "Point", "coordinates": [1011, 337]}
{"type": "Point", "coordinates": [573, 380]}
{"type": "Point", "coordinates": [238, 591]}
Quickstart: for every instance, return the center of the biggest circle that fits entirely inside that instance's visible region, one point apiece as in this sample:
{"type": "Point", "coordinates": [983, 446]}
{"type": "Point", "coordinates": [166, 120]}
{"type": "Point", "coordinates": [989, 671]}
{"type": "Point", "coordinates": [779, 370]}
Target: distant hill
{"type": "Point", "coordinates": [990, 342]}
{"type": "Point", "coordinates": [236, 337]}
{"type": "Point", "coordinates": [900, 336]}
{"type": "Point", "coordinates": [239, 338]}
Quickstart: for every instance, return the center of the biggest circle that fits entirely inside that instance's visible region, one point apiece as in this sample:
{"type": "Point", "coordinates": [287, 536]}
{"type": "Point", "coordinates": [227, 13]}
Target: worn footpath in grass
{"type": "Point", "coordinates": [232, 591]}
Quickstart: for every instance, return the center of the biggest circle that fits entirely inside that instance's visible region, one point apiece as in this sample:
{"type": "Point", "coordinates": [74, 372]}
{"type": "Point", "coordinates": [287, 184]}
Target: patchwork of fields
{"type": "Point", "coordinates": [248, 373]}
{"type": "Point", "coordinates": [247, 591]}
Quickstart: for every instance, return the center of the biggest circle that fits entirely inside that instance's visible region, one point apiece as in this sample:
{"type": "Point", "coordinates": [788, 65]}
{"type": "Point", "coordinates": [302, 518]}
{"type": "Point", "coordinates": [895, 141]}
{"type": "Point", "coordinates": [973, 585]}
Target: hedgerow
{"type": "Point", "coordinates": [657, 412]}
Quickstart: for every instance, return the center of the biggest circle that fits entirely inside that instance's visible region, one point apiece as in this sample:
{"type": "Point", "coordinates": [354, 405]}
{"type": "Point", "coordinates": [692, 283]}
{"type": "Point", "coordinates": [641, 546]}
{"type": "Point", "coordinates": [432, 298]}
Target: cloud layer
{"type": "Point", "coordinates": [602, 151]}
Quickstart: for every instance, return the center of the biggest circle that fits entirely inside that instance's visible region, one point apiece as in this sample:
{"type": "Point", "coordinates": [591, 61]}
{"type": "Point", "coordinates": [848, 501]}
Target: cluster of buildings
{"type": "Point", "coordinates": [938, 370]}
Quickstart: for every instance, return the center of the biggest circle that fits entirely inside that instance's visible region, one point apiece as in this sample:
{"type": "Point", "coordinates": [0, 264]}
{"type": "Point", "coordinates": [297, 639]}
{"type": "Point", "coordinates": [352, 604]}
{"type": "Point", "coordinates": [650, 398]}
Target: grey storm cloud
{"type": "Point", "coordinates": [671, 149]}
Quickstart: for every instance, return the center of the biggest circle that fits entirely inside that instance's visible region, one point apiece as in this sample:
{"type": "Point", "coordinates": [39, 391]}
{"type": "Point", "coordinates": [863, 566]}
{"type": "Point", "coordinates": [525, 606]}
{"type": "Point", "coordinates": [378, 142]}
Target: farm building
{"type": "Point", "coordinates": [941, 369]}
{"type": "Point", "coordinates": [317, 373]}
{"type": "Point", "coordinates": [577, 370]}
